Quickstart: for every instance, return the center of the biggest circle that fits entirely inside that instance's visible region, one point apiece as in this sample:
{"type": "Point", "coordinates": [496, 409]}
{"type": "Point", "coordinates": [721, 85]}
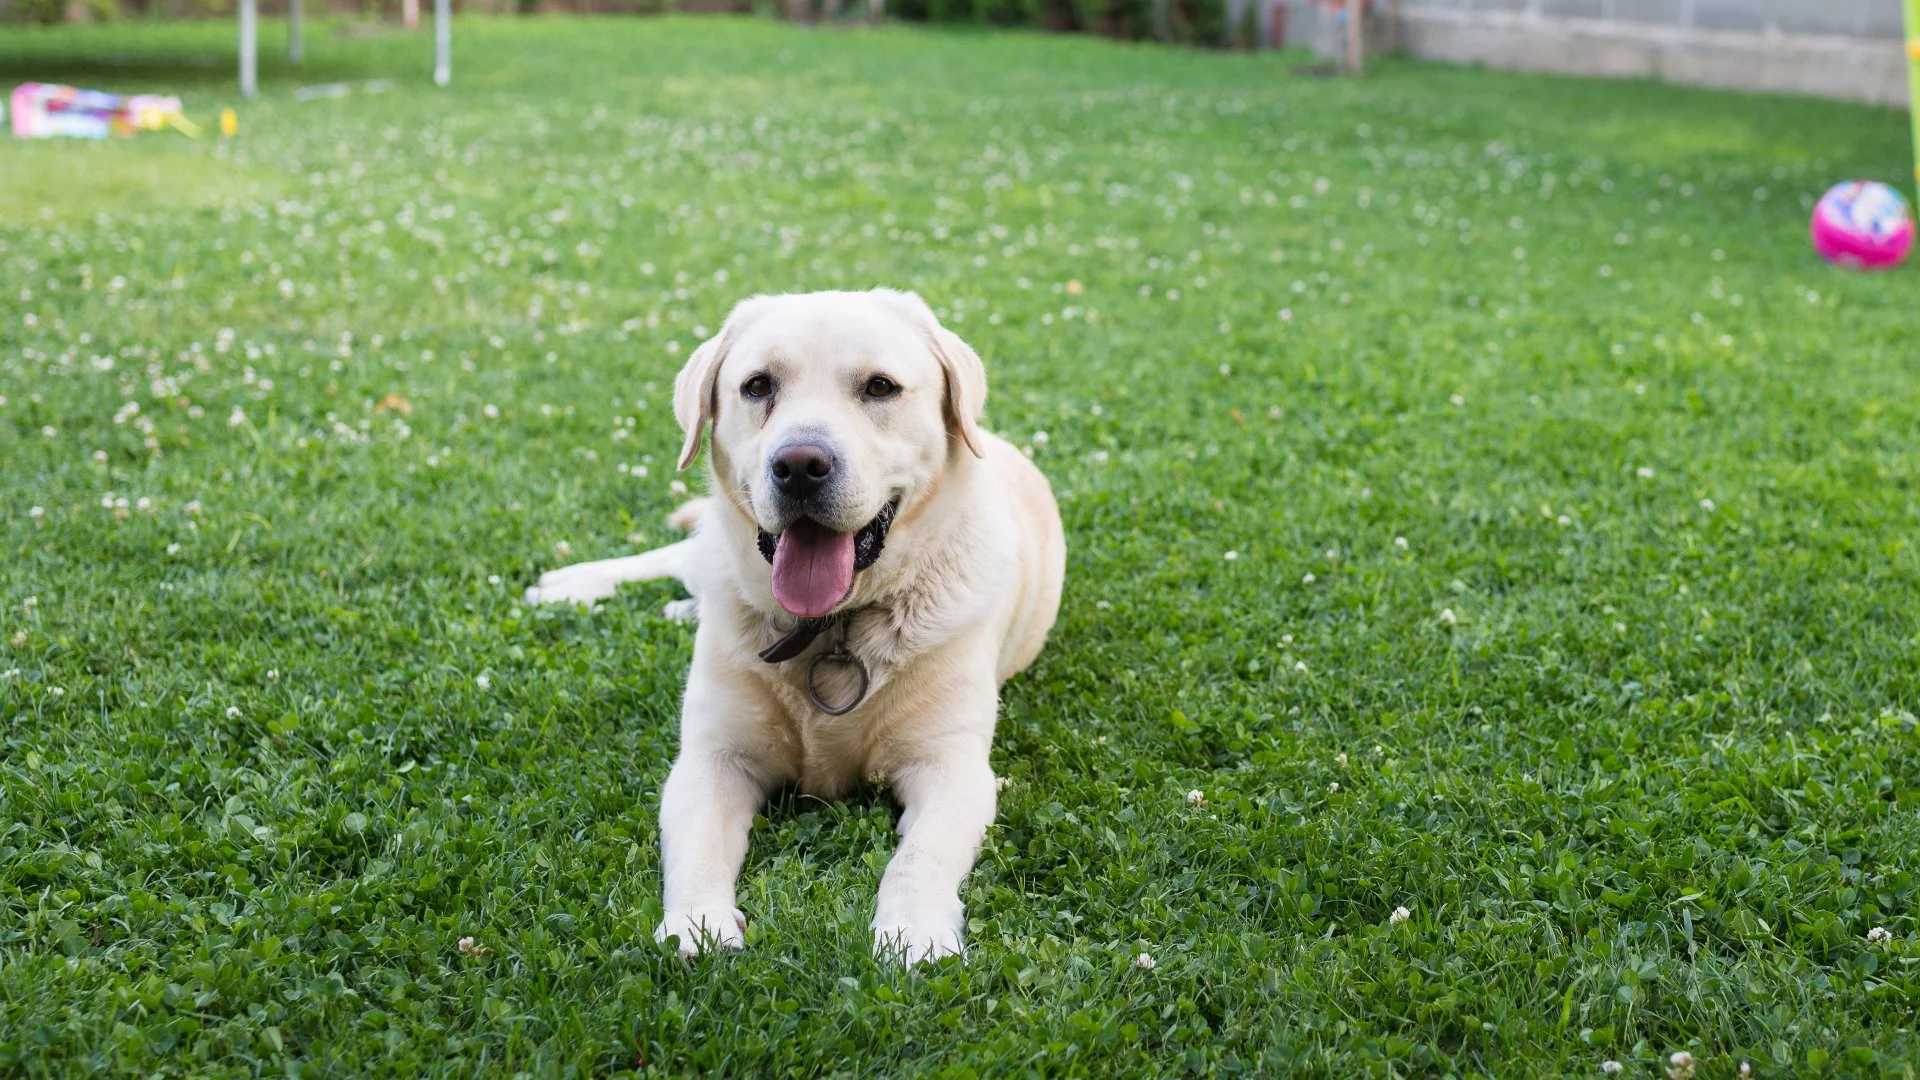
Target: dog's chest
{"type": "Point", "coordinates": [836, 752]}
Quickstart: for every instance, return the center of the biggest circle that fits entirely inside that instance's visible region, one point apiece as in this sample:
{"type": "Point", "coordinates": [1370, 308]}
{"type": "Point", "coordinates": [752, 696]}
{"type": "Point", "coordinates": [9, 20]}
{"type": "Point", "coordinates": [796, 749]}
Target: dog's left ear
{"type": "Point", "coordinates": [966, 386]}
{"type": "Point", "coordinates": [693, 388]}
{"type": "Point", "coordinates": [966, 375]}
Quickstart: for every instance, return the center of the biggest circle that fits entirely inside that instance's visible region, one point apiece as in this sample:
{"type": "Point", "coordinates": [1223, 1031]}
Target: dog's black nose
{"type": "Point", "coordinates": [799, 470]}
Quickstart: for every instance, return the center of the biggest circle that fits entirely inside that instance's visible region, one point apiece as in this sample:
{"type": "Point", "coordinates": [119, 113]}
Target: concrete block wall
{"type": "Point", "coordinates": [1850, 49]}
{"type": "Point", "coordinates": [1856, 18]}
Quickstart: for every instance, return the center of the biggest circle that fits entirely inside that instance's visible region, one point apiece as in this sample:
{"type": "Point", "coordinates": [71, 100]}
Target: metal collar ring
{"type": "Point", "coordinates": [839, 655]}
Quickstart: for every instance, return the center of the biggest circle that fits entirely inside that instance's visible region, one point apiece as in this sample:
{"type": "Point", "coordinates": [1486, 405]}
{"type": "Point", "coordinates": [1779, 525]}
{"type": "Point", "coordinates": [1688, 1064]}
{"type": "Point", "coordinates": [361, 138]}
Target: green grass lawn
{"type": "Point", "coordinates": [1474, 485]}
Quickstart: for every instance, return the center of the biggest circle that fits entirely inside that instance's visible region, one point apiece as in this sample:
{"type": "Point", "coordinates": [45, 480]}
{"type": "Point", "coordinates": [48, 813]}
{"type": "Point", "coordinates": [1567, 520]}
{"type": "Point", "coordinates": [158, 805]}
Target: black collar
{"type": "Point", "coordinates": [795, 641]}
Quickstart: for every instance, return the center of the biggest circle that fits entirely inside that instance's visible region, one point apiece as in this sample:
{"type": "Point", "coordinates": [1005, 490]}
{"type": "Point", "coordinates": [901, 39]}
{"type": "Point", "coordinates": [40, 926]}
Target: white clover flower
{"type": "Point", "coordinates": [1644, 472]}
{"type": "Point", "coordinates": [1447, 616]}
{"type": "Point", "coordinates": [1002, 783]}
{"type": "Point", "coordinates": [1400, 542]}
{"type": "Point", "coordinates": [1611, 1067]}
{"type": "Point", "coordinates": [1144, 962]}
{"type": "Point", "coordinates": [1879, 935]}
{"type": "Point", "coordinates": [99, 457]}
{"type": "Point", "coordinates": [173, 549]}
{"type": "Point", "coordinates": [1340, 759]}
{"type": "Point", "coordinates": [193, 508]}
{"type": "Point", "coordinates": [1333, 788]}
{"type": "Point", "coordinates": [1563, 520]}
{"type": "Point", "coordinates": [1306, 579]}
{"type": "Point", "coordinates": [20, 640]}
{"type": "Point", "coordinates": [491, 412]}
{"type": "Point", "coordinates": [10, 673]}
{"type": "Point", "coordinates": [493, 579]}
{"type": "Point", "coordinates": [470, 948]}
{"type": "Point", "coordinates": [1099, 457]}
{"type": "Point", "coordinates": [483, 682]}
{"type": "Point", "coordinates": [37, 512]}
{"type": "Point", "coordinates": [1231, 556]}
{"type": "Point", "coordinates": [1041, 438]}
{"type": "Point", "coordinates": [273, 674]}
{"type": "Point", "coordinates": [55, 691]}
{"type": "Point", "coordinates": [1680, 1065]}
{"type": "Point", "coordinates": [1196, 797]}
{"type": "Point", "coordinates": [1707, 505]}
{"type": "Point", "coordinates": [237, 417]}
{"type": "Point", "coordinates": [233, 712]}
{"type": "Point", "coordinates": [1300, 666]}
{"type": "Point", "coordinates": [1400, 915]}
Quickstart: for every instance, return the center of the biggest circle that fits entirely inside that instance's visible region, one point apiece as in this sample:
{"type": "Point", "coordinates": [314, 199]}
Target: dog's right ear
{"type": "Point", "coordinates": [693, 388]}
{"type": "Point", "coordinates": [693, 393]}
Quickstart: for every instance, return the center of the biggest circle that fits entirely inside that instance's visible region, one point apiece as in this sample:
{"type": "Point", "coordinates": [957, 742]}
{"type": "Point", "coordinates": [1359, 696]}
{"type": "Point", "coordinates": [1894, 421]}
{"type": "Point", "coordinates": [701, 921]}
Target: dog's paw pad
{"type": "Point", "coordinates": [698, 931]}
{"type": "Point", "coordinates": [571, 586]}
{"type": "Point", "coordinates": [916, 943]}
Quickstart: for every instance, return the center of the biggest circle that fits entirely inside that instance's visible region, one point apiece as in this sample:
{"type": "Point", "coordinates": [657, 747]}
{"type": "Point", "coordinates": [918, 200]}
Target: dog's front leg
{"type": "Point", "coordinates": [706, 807]}
{"type": "Point", "coordinates": [948, 799]}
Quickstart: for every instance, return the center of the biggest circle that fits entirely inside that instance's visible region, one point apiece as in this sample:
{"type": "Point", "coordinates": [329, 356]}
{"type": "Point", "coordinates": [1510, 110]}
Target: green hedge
{"type": "Point", "coordinates": [1201, 22]}
{"type": "Point", "coordinates": [1195, 21]}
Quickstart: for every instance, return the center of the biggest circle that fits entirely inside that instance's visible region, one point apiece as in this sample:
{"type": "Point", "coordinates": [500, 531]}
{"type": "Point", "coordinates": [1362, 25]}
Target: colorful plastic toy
{"type": "Point", "coordinates": [49, 110]}
{"type": "Point", "coordinates": [1863, 225]}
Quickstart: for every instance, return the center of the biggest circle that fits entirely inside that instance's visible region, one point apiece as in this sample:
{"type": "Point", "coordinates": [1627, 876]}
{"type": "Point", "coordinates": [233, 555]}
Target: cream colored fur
{"type": "Point", "coordinates": [961, 600]}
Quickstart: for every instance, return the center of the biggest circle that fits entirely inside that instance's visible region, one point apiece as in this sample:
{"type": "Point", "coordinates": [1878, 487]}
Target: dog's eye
{"type": "Point", "coordinates": [881, 387]}
{"type": "Point", "coordinates": [757, 387]}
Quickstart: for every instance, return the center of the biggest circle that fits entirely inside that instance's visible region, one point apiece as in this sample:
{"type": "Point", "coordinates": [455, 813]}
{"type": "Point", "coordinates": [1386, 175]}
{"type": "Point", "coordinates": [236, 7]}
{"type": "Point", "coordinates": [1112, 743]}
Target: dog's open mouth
{"type": "Point", "coordinates": [813, 566]}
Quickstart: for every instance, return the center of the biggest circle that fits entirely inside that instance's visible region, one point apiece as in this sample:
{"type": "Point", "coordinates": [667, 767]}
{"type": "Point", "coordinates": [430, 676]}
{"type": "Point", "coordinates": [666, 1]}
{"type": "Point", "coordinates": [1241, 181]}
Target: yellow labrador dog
{"type": "Point", "coordinates": [870, 568]}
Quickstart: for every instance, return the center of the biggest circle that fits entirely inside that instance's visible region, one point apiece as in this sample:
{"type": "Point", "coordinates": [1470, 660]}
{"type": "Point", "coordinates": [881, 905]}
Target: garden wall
{"type": "Point", "coordinates": [1833, 48]}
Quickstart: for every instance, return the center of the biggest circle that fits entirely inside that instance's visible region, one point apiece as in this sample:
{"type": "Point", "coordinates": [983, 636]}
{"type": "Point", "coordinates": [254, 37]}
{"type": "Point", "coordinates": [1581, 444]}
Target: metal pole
{"type": "Point", "coordinates": [1356, 52]}
{"type": "Point", "coordinates": [442, 42]}
{"type": "Point", "coordinates": [1913, 83]}
{"type": "Point", "coordinates": [296, 44]}
{"type": "Point", "coordinates": [249, 49]}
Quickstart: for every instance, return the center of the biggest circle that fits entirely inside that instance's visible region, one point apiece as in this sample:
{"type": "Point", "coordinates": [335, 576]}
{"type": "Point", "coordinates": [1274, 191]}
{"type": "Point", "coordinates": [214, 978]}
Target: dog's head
{"type": "Point", "coordinates": [830, 413]}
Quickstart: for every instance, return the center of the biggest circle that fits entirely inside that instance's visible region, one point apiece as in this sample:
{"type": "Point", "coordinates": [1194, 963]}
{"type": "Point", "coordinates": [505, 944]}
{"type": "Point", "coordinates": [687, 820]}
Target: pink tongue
{"type": "Point", "coordinates": [812, 568]}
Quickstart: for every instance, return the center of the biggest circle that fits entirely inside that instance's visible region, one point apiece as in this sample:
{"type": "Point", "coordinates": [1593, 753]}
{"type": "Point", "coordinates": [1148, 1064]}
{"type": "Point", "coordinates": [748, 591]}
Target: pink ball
{"type": "Point", "coordinates": [1862, 225]}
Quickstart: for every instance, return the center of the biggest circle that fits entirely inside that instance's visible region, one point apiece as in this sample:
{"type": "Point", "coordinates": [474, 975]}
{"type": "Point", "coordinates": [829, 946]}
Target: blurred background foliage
{"type": "Point", "coordinates": [1199, 22]}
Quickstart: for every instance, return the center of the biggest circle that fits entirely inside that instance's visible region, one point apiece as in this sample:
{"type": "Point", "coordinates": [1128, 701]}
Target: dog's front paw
{"type": "Point", "coordinates": [709, 928]}
{"type": "Point", "coordinates": [582, 584]}
{"type": "Point", "coordinates": [912, 940]}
